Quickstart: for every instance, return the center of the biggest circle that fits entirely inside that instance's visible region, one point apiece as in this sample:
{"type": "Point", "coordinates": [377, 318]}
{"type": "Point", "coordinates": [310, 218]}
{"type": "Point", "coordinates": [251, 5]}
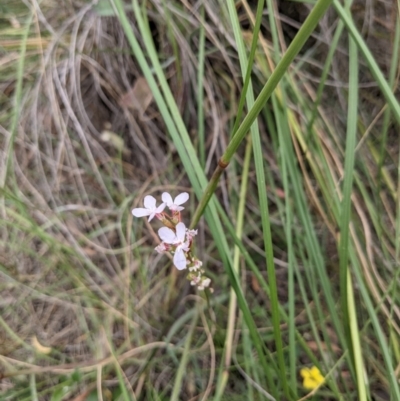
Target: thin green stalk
{"type": "Point", "coordinates": [171, 38]}
{"type": "Point", "coordinates": [384, 146]}
{"type": "Point", "coordinates": [345, 217]}
{"type": "Point", "coordinates": [299, 40]}
{"type": "Point", "coordinates": [397, 229]}
{"type": "Point", "coordinates": [11, 334]}
{"type": "Point", "coordinates": [263, 206]}
{"type": "Point", "coordinates": [236, 260]}
{"type": "Point", "coordinates": [184, 360]}
{"type": "Point", "coordinates": [249, 362]}
{"type": "Point", "coordinates": [271, 5]}
{"type": "Point", "coordinates": [324, 75]}
{"type": "Point", "coordinates": [373, 66]}
{"type": "Point", "coordinates": [380, 335]}
{"type": "Point", "coordinates": [291, 258]}
{"type": "Point", "coordinates": [254, 268]}
{"type": "Point", "coordinates": [315, 260]}
{"type": "Point", "coordinates": [127, 393]}
{"type": "Point", "coordinates": [32, 385]}
{"type": "Point", "coordinates": [200, 91]}
{"type": "Point", "coordinates": [252, 54]}
{"type": "Point", "coordinates": [355, 338]}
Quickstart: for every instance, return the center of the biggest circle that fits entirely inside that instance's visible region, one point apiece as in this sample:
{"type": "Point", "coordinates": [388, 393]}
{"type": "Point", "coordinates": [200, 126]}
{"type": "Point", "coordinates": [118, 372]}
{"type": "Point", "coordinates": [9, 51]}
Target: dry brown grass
{"type": "Point", "coordinates": [76, 271]}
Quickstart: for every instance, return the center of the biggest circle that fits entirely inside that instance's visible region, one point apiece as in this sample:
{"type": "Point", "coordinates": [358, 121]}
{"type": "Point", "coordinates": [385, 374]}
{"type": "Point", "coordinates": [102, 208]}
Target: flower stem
{"type": "Point", "coordinates": [210, 189]}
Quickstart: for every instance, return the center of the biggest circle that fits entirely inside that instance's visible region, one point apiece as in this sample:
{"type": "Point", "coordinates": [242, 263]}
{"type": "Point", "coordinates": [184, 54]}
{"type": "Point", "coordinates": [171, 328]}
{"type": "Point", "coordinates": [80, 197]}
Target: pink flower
{"type": "Point", "coordinates": [150, 209]}
{"type": "Point", "coordinates": [175, 205]}
{"type": "Point", "coordinates": [177, 239]}
{"type": "Point", "coordinates": [162, 247]}
{"type": "Point", "coordinates": [196, 265]}
{"type": "Point", "coordinates": [195, 280]}
{"type": "Point", "coordinates": [190, 234]}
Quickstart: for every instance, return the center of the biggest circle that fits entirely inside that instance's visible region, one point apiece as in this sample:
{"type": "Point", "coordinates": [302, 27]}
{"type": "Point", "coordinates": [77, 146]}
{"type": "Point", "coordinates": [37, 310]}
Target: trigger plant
{"type": "Point", "coordinates": [175, 237]}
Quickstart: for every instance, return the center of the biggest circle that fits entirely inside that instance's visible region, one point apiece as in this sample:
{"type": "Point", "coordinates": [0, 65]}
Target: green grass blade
{"type": "Point", "coordinates": [345, 216]}
{"type": "Point", "coordinates": [305, 31]}
{"type": "Point", "coordinates": [183, 362]}
{"type": "Point", "coordinates": [184, 146]}
{"type": "Point", "coordinates": [263, 204]}
{"type": "Point", "coordinates": [355, 338]}
{"type": "Point", "coordinates": [373, 66]}
{"type": "Point", "coordinates": [200, 91]}
{"type": "Point", "coordinates": [249, 69]}
{"type": "Point", "coordinates": [303, 34]}
{"type": "Point", "coordinates": [380, 335]}
{"type": "Point", "coordinates": [223, 377]}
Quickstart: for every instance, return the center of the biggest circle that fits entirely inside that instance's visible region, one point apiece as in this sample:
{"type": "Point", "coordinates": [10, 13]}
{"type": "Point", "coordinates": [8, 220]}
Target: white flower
{"type": "Point", "coordinates": [174, 205]}
{"type": "Point", "coordinates": [150, 208]}
{"type": "Point", "coordinates": [196, 265]}
{"type": "Point", "coordinates": [178, 241]}
{"type": "Point", "coordinates": [205, 282]}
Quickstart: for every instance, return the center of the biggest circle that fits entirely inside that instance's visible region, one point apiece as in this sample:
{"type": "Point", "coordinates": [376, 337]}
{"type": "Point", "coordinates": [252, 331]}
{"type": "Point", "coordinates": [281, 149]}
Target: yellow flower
{"type": "Point", "coordinates": [312, 378]}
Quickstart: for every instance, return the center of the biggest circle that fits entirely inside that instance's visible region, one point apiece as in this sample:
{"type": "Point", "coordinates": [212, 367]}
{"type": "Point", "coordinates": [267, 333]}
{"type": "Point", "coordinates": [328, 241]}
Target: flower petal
{"type": "Point", "coordinates": [160, 208]}
{"type": "Point", "coordinates": [180, 231]}
{"type": "Point", "coordinates": [317, 375]}
{"type": "Point", "coordinates": [305, 373]}
{"type": "Point", "coordinates": [149, 202]}
{"type": "Point", "coordinates": [181, 198]}
{"type": "Point", "coordinates": [167, 235]}
{"type": "Point", "coordinates": [180, 260]}
{"type": "Point", "coordinates": [140, 212]}
{"type": "Point", "coordinates": [309, 384]}
{"type": "Point", "coordinates": [167, 198]}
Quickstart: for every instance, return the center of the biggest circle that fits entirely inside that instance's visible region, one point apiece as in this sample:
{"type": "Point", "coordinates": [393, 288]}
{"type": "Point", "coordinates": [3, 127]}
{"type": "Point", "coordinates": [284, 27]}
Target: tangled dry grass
{"type": "Point", "coordinates": [89, 142]}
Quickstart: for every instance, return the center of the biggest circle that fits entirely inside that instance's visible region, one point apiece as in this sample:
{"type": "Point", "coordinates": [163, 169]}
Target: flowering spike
{"type": "Point", "coordinates": [175, 237]}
